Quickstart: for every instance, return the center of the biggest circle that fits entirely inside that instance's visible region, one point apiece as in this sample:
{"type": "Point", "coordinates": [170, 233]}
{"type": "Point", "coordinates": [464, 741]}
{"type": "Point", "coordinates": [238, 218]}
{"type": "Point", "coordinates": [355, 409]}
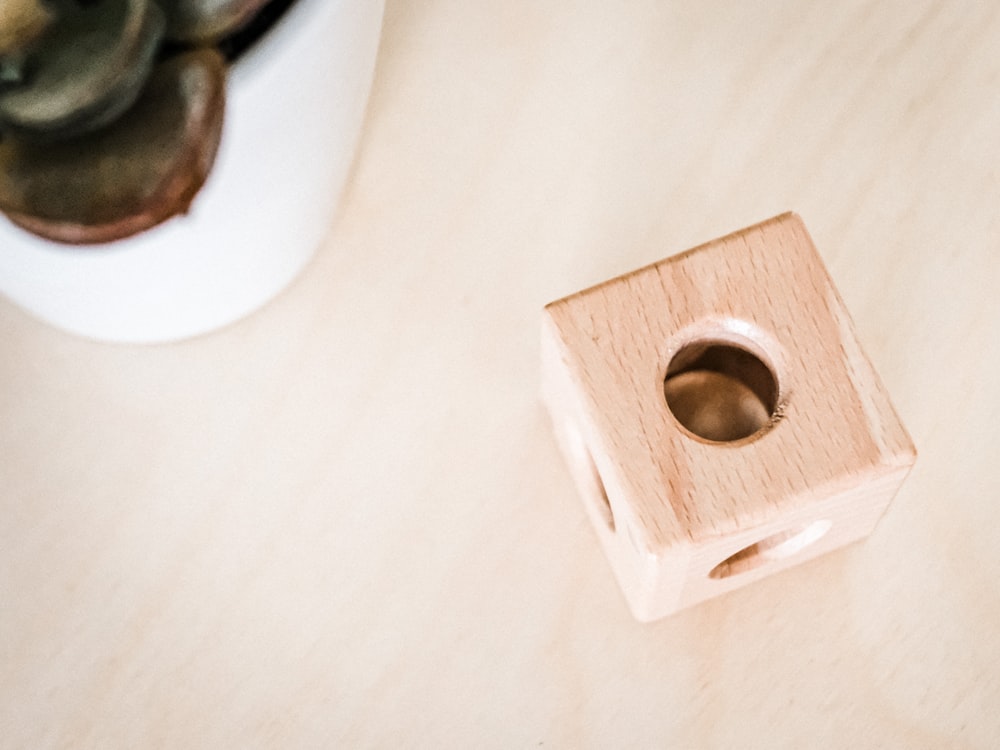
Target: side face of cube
{"type": "Point", "coordinates": [829, 519]}
{"type": "Point", "coordinates": [719, 416]}
{"type": "Point", "coordinates": [648, 581]}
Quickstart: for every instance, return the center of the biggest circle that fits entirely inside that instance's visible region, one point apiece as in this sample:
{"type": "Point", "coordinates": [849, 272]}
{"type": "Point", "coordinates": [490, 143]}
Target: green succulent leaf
{"type": "Point", "coordinates": [139, 171]}
{"type": "Point", "coordinates": [207, 21]}
{"type": "Point", "coordinates": [85, 70]}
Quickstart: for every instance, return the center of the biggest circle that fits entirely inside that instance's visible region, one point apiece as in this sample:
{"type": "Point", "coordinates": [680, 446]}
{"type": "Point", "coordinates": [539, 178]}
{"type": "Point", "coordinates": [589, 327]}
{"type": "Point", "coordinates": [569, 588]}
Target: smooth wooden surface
{"type": "Point", "coordinates": [345, 522]}
{"type": "Point", "coordinates": [831, 448]}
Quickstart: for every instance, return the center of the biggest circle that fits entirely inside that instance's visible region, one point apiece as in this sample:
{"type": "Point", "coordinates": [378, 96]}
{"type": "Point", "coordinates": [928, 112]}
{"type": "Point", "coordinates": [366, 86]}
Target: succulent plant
{"type": "Point", "coordinates": [111, 110]}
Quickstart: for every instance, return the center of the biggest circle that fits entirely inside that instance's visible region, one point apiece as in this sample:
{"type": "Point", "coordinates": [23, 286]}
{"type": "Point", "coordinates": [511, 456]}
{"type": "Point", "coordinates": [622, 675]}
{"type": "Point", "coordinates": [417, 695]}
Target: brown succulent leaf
{"type": "Point", "coordinates": [85, 70]}
{"type": "Point", "coordinates": [125, 178]}
{"type": "Point", "coordinates": [208, 21]}
{"type": "Point", "coordinates": [21, 23]}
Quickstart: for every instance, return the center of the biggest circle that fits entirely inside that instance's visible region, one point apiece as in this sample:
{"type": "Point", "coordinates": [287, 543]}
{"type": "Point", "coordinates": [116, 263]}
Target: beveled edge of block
{"type": "Point", "coordinates": [786, 217]}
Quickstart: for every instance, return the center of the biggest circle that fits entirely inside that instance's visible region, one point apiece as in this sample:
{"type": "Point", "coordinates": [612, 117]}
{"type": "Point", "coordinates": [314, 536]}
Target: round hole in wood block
{"type": "Point", "coordinates": [775, 547]}
{"type": "Point", "coordinates": [594, 489]}
{"type": "Point", "coordinates": [720, 392]}
{"type": "Point", "coordinates": [601, 494]}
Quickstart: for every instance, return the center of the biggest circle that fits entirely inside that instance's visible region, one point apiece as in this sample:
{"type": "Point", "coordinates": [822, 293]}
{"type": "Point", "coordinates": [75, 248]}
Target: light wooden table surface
{"type": "Point", "coordinates": [343, 522]}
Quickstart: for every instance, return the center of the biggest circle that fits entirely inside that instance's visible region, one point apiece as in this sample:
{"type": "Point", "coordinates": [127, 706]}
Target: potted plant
{"type": "Point", "coordinates": [166, 166]}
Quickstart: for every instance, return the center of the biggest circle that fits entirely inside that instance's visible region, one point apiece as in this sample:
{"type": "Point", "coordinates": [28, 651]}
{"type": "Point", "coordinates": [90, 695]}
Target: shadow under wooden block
{"type": "Point", "coordinates": [719, 416]}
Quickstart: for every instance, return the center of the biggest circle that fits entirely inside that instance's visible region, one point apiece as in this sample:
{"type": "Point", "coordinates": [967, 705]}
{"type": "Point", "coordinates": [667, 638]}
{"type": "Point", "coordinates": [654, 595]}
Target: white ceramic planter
{"type": "Point", "coordinates": [294, 108]}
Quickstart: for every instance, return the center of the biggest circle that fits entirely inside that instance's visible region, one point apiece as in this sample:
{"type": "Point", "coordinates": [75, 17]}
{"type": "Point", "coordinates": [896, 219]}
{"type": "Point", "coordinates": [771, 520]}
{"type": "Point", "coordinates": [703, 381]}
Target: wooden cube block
{"type": "Point", "coordinates": [719, 416]}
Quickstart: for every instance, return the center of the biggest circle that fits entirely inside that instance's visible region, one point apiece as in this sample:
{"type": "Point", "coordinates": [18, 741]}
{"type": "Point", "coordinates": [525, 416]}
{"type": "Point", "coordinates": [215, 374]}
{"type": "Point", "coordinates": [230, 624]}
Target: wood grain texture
{"type": "Point", "coordinates": [345, 522]}
{"type": "Point", "coordinates": [682, 504]}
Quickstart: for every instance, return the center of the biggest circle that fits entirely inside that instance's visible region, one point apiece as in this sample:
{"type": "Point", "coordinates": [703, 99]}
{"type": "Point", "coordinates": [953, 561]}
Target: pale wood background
{"type": "Point", "coordinates": [343, 522]}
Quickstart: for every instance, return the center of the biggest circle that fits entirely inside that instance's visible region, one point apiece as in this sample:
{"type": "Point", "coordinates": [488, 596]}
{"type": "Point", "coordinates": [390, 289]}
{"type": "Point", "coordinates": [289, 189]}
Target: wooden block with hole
{"type": "Point", "coordinates": [719, 416]}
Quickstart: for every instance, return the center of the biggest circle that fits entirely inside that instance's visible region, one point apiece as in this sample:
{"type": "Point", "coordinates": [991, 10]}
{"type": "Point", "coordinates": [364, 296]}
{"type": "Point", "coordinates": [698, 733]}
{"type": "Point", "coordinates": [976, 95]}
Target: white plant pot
{"type": "Point", "coordinates": [294, 108]}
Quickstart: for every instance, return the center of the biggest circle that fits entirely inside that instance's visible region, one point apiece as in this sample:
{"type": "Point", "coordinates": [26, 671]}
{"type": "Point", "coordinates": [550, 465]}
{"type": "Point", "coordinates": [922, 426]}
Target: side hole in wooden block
{"type": "Point", "coordinates": [594, 490]}
{"type": "Point", "coordinates": [720, 392]}
{"type": "Point", "coordinates": [775, 547]}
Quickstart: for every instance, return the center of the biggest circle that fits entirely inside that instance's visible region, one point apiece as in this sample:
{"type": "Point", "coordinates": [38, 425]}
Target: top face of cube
{"type": "Point", "coordinates": [762, 292]}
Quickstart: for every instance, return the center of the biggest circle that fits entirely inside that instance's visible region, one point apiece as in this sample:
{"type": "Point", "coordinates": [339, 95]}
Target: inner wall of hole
{"type": "Point", "coordinates": [778, 546]}
{"type": "Point", "coordinates": [720, 391]}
